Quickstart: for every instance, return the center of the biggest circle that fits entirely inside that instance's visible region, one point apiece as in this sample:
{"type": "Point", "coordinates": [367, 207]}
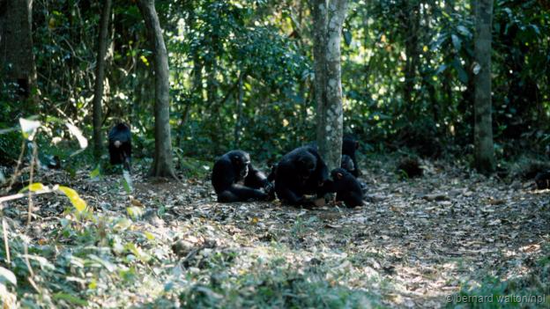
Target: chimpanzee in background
{"type": "Point", "coordinates": [347, 164]}
{"type": "Point", "coordinates": [347, 188]}
{"type": "Point", "coordinates": [300, 172]}
{"type": "Point", "coordinates": [542, 180]}
{"type": "Point", "coordinates": [120, 145]}
{"type": "Point", "coordinates": [349, 147]}
{"type": "Point", "coordinates": [233, 168]}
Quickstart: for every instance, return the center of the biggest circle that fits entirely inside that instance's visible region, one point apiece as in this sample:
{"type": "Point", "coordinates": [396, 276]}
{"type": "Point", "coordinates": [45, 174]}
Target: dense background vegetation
{"type": "Point", "coordinates": [407, 73]}
{"type": "Point", "coordinates": [242, 76]}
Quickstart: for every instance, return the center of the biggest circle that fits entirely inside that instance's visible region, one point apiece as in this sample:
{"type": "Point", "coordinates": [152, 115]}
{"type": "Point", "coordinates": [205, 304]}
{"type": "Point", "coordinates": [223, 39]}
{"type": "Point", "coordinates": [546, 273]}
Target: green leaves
{"type": "Point", "coordinates": [457, 42]}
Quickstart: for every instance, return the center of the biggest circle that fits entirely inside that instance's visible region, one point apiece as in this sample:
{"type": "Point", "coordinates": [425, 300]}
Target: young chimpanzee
{"type": "Point", "coordinates": [235, 167]}
{"type": "Point", "coordinates": [349, 146]}
{"type": "Point", "coordinates": [300, 172]}
{"type": "Point", "coordinates": [347, 164]}
{"type": "Point", "coordinates": [347, 188]}
{"type": "Point", "coordinates": [542, 180]}
{"type": "Point", "coordinates": [120, 145]}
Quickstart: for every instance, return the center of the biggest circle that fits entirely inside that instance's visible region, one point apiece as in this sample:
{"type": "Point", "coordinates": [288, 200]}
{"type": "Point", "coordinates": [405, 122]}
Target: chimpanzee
{"type": "Point", "coordinates": [273, 173]}
{"type": "Point", "coordinates": [347, 164]}
{"type": "Point", "coordinates": [542, 180]}
{"type": "Point", "coordinates": [120, 145]}
{"type": "Point", "coordinates": [349, 146]}
{"type": "Point", "coordinates": [235, 167]}
{"type": "Point", "coordinates": [347, 188]}
{"type": "Point", "coordinates": [300, 172]}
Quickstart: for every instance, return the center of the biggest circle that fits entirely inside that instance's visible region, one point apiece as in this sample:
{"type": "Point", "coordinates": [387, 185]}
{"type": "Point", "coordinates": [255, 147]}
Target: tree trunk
{"type": "Point", "coordinates": [16, 58]}
{"type": "Point", "coordinates": [162, 163]}
{"type": "Point", "coordinates": [328, 21]}
{"type": "Point", "coordinates": [412, 24]}
{"type": "Point", "coordinates": [100, 77]}
{"type": "Point", "coordinates": [320, 18]}
{"type": "Point", "coordinates": [483, 132]}
{"type": "Point", "coordinates": [240, 103]}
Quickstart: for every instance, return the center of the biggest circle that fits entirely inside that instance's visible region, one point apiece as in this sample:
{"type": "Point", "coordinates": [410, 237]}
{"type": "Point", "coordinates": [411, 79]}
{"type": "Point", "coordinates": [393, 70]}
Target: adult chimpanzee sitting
{"type": "Point", "coordinates": [233, 168]}
{"type": "Point", "coordinates": [300, 172]}
{"type": "Point", "coordinates": [120, 145]}
{"type": "Point", "coordinates": [349, 146]}
{"type": "Point", "coordinates": [347, 188]}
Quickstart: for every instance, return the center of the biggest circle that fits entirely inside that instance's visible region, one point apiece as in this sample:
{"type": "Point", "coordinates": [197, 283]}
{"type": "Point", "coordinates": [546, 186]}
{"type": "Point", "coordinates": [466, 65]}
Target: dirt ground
{"type": "Point", "coordinates": [415, 242]}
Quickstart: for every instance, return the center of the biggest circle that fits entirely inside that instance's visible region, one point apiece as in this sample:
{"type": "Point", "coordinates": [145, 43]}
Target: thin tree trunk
{"type": "Point", "coordinates": [466, 102]}
{"type": "Point", "coordinates": [240, 95]}
{"type": "Point", "coordinates": [211, 87]}
{"type": "Point", "coordinates": [197, 61]}
{"type": "Point", "coordinates": [411, 50]}
{"type": "Point", "coordinates": [328, 20]}
{"type": "Point", "coordinates": [427, 78]}
{"type": "Point", "coordinates": [162, 163]}
{"type": "Point", "coordinates": [16, 58]}
{"type": "Point", "coordinates": [483, 132]}
{"type": "Point", "coordinates": [100, 78]}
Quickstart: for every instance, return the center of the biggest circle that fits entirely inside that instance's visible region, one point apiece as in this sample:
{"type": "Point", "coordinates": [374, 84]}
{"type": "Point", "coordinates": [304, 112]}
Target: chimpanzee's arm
{"type": "Point", "coordinates": [238, 193]}
{"type": "Point", "coordinates": [328, 186]}
{"type": "Point", "coordinates": [255, 178]}
{"type": "Point", "coordinates": [287, 195]}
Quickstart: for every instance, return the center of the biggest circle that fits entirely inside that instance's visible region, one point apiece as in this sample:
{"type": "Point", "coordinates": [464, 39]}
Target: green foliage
{"type": "Point", "coordinates": [492, 292]}
{"type": "Point", "coordinates": [275, 284]}
{"type": "Point", "coordinates": [407, 80]}
{"type": "Point", "coordinates": [69, 275]}
{"type": "Point", "coordinates": [10, 146]}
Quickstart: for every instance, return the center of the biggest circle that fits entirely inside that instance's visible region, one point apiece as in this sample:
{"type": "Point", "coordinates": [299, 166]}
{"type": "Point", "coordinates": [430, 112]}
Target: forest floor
{"type": "Point", "coordinates": [416, 243]}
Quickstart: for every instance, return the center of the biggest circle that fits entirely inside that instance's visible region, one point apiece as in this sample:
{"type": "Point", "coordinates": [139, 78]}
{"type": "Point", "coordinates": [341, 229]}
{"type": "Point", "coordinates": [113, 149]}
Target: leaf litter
{"type": "Point", "coordinates": [415, 242]}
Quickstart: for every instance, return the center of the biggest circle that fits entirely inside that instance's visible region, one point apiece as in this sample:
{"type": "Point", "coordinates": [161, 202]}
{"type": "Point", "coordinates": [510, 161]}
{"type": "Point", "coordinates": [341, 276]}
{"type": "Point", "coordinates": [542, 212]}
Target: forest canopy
{"type": "Point", "coordinates": [241, 73]}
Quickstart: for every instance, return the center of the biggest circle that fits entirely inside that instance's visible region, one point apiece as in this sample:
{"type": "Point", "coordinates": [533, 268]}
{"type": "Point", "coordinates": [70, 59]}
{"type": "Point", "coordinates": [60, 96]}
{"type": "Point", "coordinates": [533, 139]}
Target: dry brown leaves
{"type": "Point", "coordinates": [423, 236]}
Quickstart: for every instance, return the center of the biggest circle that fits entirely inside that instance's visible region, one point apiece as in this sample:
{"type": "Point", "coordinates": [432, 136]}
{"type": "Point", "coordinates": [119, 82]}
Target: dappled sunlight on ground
{"type": "Point", "coordinates": [415, 242]}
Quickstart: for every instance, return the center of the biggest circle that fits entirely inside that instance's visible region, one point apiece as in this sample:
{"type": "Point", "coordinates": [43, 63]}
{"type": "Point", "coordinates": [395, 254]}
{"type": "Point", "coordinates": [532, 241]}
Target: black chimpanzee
{"type": "Point", "coordinates": [273, 173]}
{"type": "Point", "coordinates": [235, 167]}
{"type": "Point", "coordinates": [349, 146]}
{"type": "Point", "coordinates": [542, 180]}
{"type": "Point", "coordinates": [300, 172]}
{"type": "Point", "coordinates": [120, 145]}
{"type": "Point", "coordinates": [347, 188]}
{"type": "Point", "coordinates": [347, 164]}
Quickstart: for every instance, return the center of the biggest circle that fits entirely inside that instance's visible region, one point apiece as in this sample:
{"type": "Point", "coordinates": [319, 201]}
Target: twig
{"type": "Point", "coordinates": [22, 195]}
{"type": "Point", "coordinates": [33, 159]}
{"type": "Point", "coordinates": [6, 244]}
{"type": "Point", "coordinates": [31, 272]}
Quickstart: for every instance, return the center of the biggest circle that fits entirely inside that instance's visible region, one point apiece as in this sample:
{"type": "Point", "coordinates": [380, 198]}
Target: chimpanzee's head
{"type": "Point", "coordinates": [306, 164]}
{"type": "Point", "coordinates": [349, 145]}
{"type": "Point", "coordinates": [240, 161]}
{"type": "Point", "coordinates": [338, 175]}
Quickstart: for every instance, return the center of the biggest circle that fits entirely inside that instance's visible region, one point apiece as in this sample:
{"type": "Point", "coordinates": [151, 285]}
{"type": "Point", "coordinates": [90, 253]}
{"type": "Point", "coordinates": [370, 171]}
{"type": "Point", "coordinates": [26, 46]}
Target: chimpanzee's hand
{"type": "Point", "coordinates": [270, 191]}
